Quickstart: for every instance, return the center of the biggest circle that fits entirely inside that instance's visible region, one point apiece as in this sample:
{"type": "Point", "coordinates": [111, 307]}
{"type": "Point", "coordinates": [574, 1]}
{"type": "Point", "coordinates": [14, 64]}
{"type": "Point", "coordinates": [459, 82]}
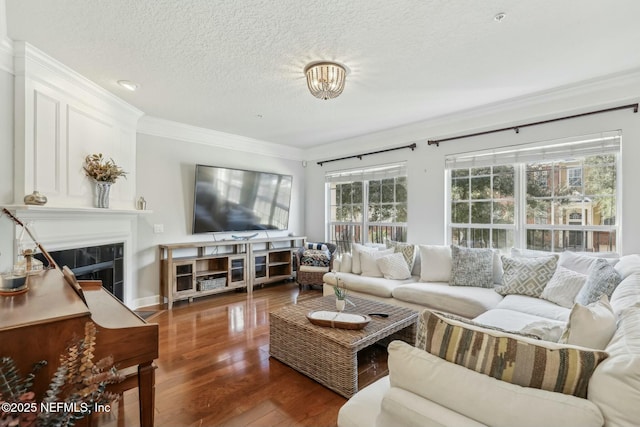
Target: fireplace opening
{"type": "Point", "coordinates": [103, 262]}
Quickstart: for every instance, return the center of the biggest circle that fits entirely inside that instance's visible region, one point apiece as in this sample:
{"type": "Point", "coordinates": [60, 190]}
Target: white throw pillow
{"type": "Point", "coordinates": [590, 326]}
{"type": "Point", "coordinates": [435, 263]}
{"type": "Point", "coordinates": [394, 266]}
{"type": "Point", "coordinates": [356, 250]}
{"type": "Point", "coordinates": [368, 262]}
{"type": "Point", "coordinates": [564, 286]}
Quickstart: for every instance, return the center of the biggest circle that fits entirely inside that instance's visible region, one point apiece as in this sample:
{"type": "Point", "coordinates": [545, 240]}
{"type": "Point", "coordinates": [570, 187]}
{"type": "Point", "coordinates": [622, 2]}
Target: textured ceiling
{"type": "Point", "coordinates": [236, 66]}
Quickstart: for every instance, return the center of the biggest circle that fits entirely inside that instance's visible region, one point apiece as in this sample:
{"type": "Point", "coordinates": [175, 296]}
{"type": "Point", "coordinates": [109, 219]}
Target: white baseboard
{"type": "Point", "coordinates": [146, 301]}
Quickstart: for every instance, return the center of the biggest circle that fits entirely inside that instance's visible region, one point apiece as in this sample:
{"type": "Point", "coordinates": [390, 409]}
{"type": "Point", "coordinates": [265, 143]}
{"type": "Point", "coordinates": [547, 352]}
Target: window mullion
{"type": "Point", "coordinates": [365, 211]}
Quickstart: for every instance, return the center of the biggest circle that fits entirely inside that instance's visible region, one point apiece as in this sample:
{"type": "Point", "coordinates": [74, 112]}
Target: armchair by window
{"type": "Point", "coordinates": [314, 260]}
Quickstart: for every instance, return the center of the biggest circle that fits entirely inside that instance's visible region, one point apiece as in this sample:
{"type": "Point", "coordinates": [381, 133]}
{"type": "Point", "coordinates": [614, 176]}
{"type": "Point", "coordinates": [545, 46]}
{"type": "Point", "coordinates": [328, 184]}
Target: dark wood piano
{"type": "Point", "coordinates": [39, 324]}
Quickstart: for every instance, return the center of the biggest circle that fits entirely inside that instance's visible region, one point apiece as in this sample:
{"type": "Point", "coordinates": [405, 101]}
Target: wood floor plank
{"type": "Point", "coordinates": [214, 368]}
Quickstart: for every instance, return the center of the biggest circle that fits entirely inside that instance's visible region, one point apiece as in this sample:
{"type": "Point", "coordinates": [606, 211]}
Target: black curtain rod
{"type": "Point", "coordinates": [360, 156]}
{"type": "Point", "coordinates": [517, 128]}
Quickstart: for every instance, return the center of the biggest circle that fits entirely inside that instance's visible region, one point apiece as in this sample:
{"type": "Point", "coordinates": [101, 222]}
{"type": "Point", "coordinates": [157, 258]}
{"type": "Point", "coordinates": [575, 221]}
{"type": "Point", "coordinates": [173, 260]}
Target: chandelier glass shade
{"type": "Point", "coordinates": [325, 79]}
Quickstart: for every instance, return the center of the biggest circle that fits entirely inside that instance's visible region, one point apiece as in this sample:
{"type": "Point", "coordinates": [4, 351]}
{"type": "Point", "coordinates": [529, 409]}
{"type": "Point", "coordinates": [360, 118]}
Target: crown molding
{"type": "Point", "coordinates": [6, 44]}
{"type": "Point", "coordinates": [36, 65]}
{"type": "Point", "coordinates": [602, 92]}
{"type": "Point", "coordinates": [155, 126]}
{"type": "Point", "coordinates": [6, 55]}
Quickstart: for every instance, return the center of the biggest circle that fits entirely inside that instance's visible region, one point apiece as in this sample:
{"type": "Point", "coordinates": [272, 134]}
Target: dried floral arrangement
{"type": "Point", "coordinates": [78, 382]}
{"type": "Point", "coordinates": [100, 169]}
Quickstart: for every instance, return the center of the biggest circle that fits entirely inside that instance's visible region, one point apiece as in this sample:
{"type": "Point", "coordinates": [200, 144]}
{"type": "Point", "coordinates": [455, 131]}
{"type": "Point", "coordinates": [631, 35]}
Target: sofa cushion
{"type": "Point", "coordinates": [408, 251]}
{"type": "Point", "coordinates": [602, 279]}
{"type": "Point", "coordinates": [564, 286]}
{"type": "Point", "coordinates": [615, 385]}
{"type": "Point", "coordinates": [582, 261]}
{"type": "Point", "coordinates": [546, 329]}
{"type": "Point", "coordinates": [314, 269]}
{"type": "Point", "coordinates": [378, 286]}
{"type": "Point", "coordinates": [394, 266]}
{"type": "Point", "coordinates": [435, 263]}
{"type": "Point", "coordinates": [482, 398]}
{"type": "Point", "coordinates": [471, 267]}
{"type": "Point", "coordinates": [526, 276]}
{"type": "Point", "coordinates": [363, 407]}
{"type": "Point", "coordinates": [530, 253]}
{"type": "Point", "coordinates": [535, 306]}
{"type": "Point", "coordinates": [511, 358]}
{"type": "Point", "coordinates": [626, 294]}
{"type": "Point", "coordinates": [368, 262]}
{"type": "Point", "coordinates": [628, 265]}
{"type": "Point", "coordinates": [404, 408]}
{"type": "Point", "coordinates": [463, 301]}
{"type": "Point", "coordinates": [344, 265]}
{"type": "Point", "coordinates": [590, 326]}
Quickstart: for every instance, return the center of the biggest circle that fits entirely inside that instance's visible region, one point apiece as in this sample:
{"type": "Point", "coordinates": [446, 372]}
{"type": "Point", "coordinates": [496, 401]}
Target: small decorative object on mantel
{"type": "Point", "coordinates": [142, 204]}
{"type": "Point", "coordinates": [35, 198]}
{"type": "Point", "coordinates": [104, 173]}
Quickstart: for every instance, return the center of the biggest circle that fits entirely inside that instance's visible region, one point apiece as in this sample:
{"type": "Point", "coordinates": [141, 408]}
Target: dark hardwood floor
{"type": "Point", "coordinates": [214, 368]}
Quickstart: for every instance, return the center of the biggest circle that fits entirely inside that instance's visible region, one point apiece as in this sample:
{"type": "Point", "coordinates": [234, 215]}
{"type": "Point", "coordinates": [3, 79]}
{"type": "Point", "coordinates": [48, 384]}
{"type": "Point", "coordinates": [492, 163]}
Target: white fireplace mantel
{"type": "Point", "coordinates": [61, 228]}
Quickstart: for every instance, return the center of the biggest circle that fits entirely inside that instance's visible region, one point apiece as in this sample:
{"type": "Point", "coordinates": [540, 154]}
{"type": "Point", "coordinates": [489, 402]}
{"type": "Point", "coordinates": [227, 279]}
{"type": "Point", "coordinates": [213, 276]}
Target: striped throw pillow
{"type": "Point", "coordinates": [515, 359]}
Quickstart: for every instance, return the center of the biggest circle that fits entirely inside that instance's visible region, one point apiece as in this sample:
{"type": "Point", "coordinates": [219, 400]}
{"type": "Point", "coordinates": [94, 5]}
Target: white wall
{"type": "Point", "coordinates": [6, 167]}
{"type": "Point", "coordinates": [426, 192]}
{"type": "Point", "coordinates": [166, 171]}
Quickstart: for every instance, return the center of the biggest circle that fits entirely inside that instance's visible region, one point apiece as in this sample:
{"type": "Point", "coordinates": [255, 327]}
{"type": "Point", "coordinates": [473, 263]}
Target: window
{"type": "Point", "coordinates": [574, 176]}
{"type": "Point", "coordinates": [555, 197]}
{"type": "Point", "coordinates": [367, 205]}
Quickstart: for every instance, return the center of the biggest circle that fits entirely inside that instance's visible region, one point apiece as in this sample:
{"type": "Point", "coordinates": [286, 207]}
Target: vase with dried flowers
{"type": "Point", "coordinates": [104, 173]}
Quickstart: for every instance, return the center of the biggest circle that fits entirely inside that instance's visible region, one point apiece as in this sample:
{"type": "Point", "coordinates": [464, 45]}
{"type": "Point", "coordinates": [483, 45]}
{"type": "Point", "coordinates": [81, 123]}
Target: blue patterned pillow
{"type": "Point", "coordinates": [601, 280]}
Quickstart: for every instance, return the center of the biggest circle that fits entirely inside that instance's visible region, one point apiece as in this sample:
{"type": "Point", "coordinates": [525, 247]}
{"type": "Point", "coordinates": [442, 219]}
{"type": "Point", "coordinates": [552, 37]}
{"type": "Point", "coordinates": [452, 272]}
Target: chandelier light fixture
{"type": "Point", "coordinates": [325, 79]}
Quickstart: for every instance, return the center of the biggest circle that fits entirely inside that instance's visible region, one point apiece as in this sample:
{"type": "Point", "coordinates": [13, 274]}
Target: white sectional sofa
{"type": "Point", "coordinates": [423, 389]}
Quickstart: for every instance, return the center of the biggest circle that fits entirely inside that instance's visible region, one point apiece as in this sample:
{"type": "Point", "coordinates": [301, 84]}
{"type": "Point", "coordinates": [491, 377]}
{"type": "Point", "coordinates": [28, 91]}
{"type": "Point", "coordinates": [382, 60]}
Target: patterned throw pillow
{"type": "Point", "coordinates": [407, 250]}
{"type": "Point", "coordinates": [318, 246]}
{"type": "Point", "coordinates": [518, 360]}
{"type": "Point", "coordinates": [563, 287]}
{"type": "Point", "coordinates": [471, 267]}
{"type": "Point", "coordinates": [394, 266]}
{"type": "Point", "coordinates": [315, 258]}
{"type": "Point", "coordinates": [526, 276]}
{"type": "Point", "coordinates": [601, 280]}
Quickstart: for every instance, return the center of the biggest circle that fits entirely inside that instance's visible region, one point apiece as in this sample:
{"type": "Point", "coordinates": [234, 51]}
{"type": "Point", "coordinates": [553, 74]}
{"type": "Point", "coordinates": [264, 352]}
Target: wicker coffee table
{"type": "Point", "coordinates": [328, 355]}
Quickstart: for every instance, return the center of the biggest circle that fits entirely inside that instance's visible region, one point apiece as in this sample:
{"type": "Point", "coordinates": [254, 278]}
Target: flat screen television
{"type": "Point", "coordinates": [240, 200]}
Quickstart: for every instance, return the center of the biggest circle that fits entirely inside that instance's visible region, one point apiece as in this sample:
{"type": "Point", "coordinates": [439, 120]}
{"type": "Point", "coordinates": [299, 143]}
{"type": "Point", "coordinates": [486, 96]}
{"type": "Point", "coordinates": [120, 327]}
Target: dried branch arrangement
{"type": "Point", "coordinates": [77, 387]}
{"type": "Point", "coordinates": [100, 169]}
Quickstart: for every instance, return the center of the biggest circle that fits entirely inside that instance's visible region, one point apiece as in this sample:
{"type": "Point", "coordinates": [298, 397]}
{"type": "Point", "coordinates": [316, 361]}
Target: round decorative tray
{"type": "Point", "coordinates": [335, 319]}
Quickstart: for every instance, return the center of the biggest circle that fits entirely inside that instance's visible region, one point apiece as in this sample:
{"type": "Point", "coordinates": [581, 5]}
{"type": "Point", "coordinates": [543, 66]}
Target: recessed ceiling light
{"type": "Point", "coordinates": [129, 85]}
{"type": "Point", "coordinates": [500, 17]}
